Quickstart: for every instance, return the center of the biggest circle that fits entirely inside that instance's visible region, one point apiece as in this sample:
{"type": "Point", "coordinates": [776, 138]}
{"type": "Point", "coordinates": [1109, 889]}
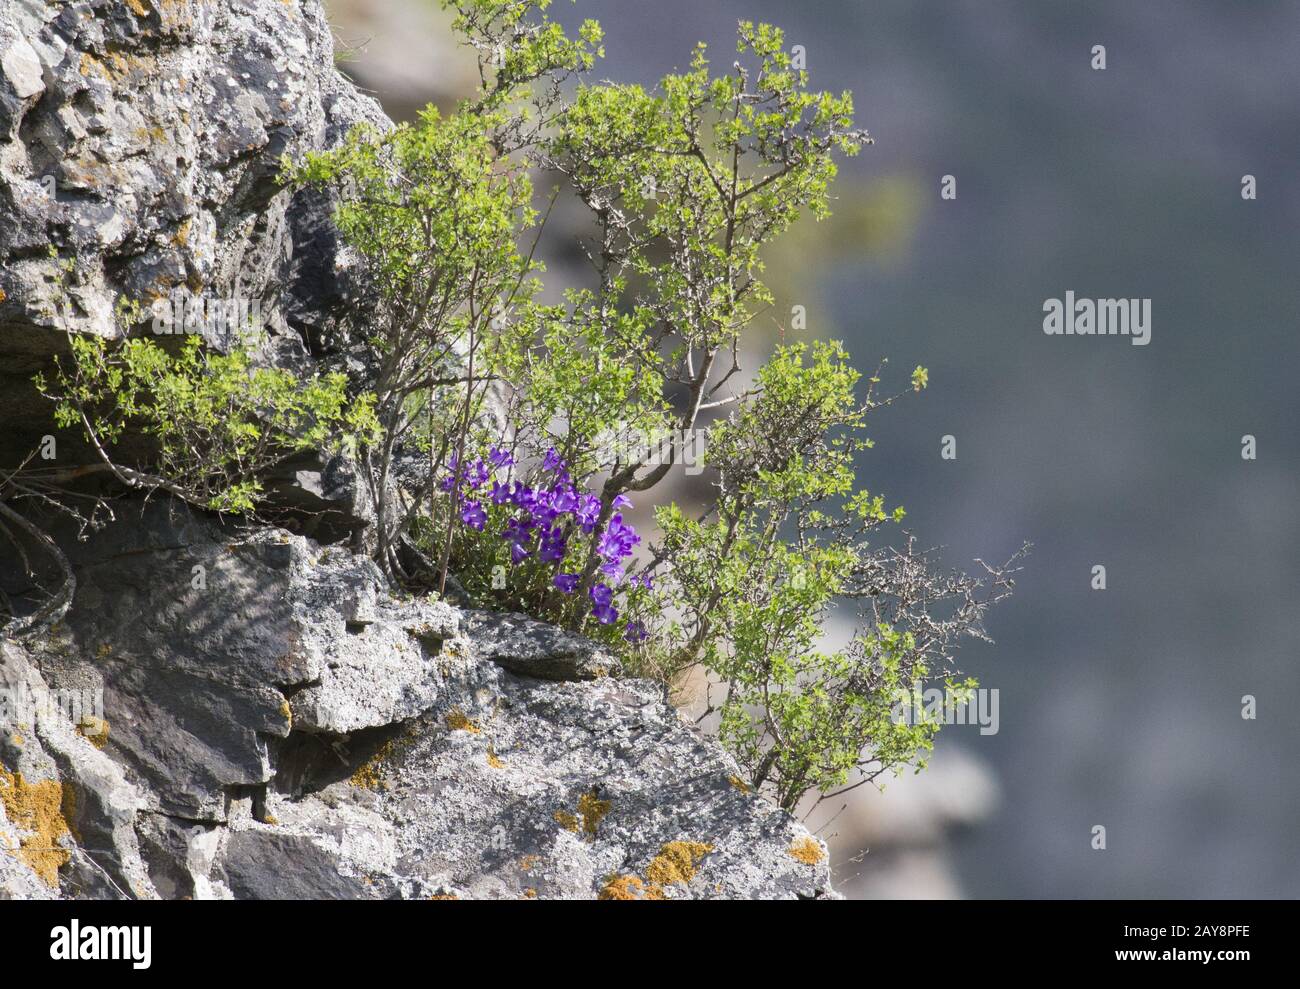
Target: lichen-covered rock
{"type": "Point", "coordinates": [277, 724]}
{"type": "Point", "coordinates": [144, 138]}
{"type": "Point", "coordinates": [67, 810]}
{"type": "Point", "coordinates": [231, 637]}
{"type": "Point", "coordinates": [513, 787]}
{"type": "Point", "coordinates": [262, 717]}
{"type": "Point", "coordinates": [139, 151]}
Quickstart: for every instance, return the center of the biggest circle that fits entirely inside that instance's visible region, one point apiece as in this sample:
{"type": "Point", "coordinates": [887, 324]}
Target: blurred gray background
{"type": "Point", "coordinates": [1120, 708]}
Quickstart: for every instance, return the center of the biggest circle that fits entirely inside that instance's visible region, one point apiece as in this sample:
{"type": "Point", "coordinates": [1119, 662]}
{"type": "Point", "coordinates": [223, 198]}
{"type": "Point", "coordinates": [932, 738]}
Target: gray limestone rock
{"type": "Point", "coordinates": [286, 727]}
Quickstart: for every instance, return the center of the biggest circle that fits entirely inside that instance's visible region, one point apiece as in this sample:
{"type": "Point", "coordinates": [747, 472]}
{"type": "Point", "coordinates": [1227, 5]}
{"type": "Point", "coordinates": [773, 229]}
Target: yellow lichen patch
{"type": "Point", "coordinates": [807, 850]}
{"type": "Point", "coordinates": [89, 64]}
{"type": "Point", "coordinates": [367, 777]}
{"type": "Point", "coordinates": [566, 820]}
{"type": "Point", "coordinates": [94, 730]}
{"type": "Point", "coordinates": [624, 888]}
{"type": "Point", "coordinates": [370, 775]}
{"type": "Point", "coordinates": [139, 8]}
{"type": "Point", "coordinates": [37, 808]}
{"type": "Point", "coordinates": [143, 65]}
{"type": "Point", "coordinates": [2, 295]}
{"type": "Point", "coordinates": [458, 720]}
{"type": "Point", "coordinates": [16, 740]}
{"type": "Point", "coordinates": [494, 760]}
{"type": "Point", "coordinates": [286, 712]}
{"type": "Point", "coordinates": [530, 894]}
{"type": "Point", "coordinates": [593, 810]}
{"type": "Point", "coordinates": [676, 862]}
{"type": "Point", "coordinates": [528, 863]}
{"type": "Point", "coordinates": [104, 650]}
{"type": "Point", "coordinates": [182, 239]}
{"type": "Point", "coordinates": [739, 784]}
{"type": "Point", "coordinates": [444, 896]}
{"type": "Point", "coordinates": [175, 14]}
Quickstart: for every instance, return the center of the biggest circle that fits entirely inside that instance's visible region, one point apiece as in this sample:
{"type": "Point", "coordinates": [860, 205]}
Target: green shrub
{"type": "Point", "coordinates": [214, 422]}
{"type": "Point", "coordinates": [501, 410]}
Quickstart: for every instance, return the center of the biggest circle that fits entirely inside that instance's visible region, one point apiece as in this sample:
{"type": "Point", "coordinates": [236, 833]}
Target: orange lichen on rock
{"type": "Point", "coordinates": [458, 720]}
{"type": "Point", "coordinates": [370, 775]}
{"type": "Point", "coordinates": [593, 810]}
{"type": "Point", "coordinates": [494, 760]}
{"type": "Point", "coordinates": [37, 808]}
{"type": "Point", "coordinates": [566, 820]}
{"type": "Point", "coordinates": [89, 64]}
{"type": "Point", "coordinates": [676, 862]}
{"type": "Point", "coordinates": [628, 888]}
{"type": "Point", "coordinates": [94, 730]}
{"type": "Point", "coordinates": [807, 850]}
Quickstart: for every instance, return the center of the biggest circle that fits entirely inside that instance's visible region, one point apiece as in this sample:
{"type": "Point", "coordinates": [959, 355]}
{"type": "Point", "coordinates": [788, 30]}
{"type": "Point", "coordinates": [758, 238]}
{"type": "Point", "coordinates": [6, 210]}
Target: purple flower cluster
{"type": "Point", "coordinates": [544, 519]}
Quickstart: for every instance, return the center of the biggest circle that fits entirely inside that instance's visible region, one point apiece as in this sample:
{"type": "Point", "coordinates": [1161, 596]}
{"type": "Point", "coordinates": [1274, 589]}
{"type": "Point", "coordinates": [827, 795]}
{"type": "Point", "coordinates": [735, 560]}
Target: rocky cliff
{"type": "Point", "coordinates": [248, 711]}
